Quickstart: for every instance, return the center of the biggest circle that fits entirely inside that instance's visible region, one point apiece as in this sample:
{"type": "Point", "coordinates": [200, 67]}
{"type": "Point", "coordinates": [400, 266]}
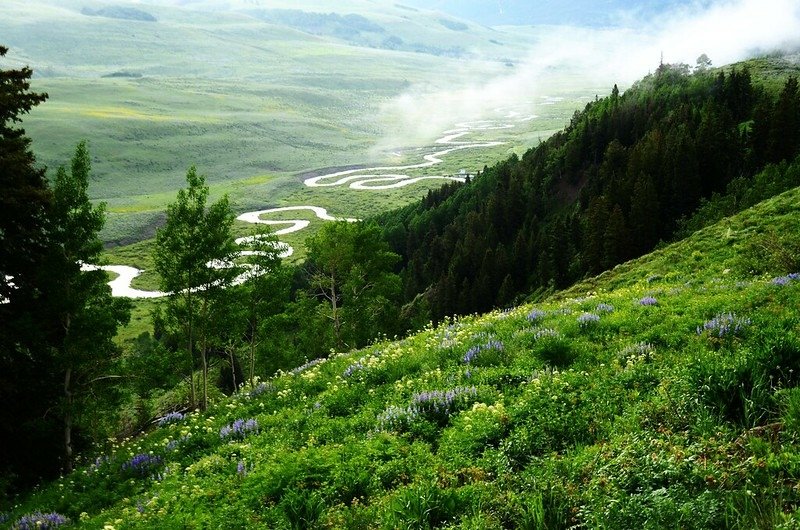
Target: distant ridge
{"type": "Point", "coordinates": [119, 12]}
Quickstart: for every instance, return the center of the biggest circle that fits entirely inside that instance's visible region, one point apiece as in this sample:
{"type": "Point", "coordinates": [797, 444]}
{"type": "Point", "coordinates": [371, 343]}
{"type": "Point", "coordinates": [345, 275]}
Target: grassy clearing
{"type": "Point", "coordinates": [660, 394]}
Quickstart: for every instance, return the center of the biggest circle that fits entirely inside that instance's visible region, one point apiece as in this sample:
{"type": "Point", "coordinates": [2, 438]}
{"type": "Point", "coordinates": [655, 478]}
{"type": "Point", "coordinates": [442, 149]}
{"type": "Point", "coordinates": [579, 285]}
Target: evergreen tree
{"type": "Point", "coordinates": [645, 215]}
{"type": "Point", "coordinates": [87, 314]}
{"type": "Point", "coordinates": [616, 239]}
{"type": "Point", "coordinates": [785, 131]}
{"type": "Point", "coordinates": [25, 196]}
{"type": "Point", "coordinates": [26, 434]}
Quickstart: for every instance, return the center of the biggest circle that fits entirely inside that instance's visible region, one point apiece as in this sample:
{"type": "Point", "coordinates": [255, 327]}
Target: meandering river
{"type": "Point", "coordinates": [370, 178]}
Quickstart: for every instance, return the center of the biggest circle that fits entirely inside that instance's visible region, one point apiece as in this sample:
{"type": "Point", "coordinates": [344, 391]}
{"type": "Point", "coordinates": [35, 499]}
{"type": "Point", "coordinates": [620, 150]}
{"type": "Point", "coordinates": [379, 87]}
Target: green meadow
{"type": "Point", "coordinates": [256, 102]}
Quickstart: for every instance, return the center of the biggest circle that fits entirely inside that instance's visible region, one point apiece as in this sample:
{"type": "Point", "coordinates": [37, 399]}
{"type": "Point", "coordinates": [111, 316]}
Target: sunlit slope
{"type": "Point", "coordinates": [661, 394]}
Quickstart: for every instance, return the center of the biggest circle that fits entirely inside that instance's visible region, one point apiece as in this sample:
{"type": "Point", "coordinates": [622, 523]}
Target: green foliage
{"type": "Point", "coordinates": [193, 255]}
{"type": "Point", "coordinates": [351, 274]}
{"type": "Point", "coordinates": [649, 425]}
{"type": "Point", "coordinates": [24, 203]}
{"type": "Point", "coordinates": [616, 181]}
{"type": "Point", "coordinates": [771, 252]}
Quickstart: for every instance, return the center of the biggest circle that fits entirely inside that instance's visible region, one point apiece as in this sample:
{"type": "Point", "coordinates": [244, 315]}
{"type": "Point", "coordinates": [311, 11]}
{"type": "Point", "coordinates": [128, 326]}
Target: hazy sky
{"type": "Point", "coordinates": [725, 30]}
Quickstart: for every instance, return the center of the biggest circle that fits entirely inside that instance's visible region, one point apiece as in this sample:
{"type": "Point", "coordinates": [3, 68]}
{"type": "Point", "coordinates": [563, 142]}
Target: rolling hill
{"type": "Point", "coordinates": [660, 394]}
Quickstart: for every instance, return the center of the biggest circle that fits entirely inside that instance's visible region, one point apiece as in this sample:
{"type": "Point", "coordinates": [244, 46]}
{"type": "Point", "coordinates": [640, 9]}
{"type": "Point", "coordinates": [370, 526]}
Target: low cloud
{"type": "Point", "coordinates": [727, 31]}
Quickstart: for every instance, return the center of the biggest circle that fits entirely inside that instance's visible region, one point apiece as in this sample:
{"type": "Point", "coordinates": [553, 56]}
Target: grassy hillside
{"type": "Point", "coordinates": [255, 95]}
{"type": "Point", "coordinates": [661, 394]}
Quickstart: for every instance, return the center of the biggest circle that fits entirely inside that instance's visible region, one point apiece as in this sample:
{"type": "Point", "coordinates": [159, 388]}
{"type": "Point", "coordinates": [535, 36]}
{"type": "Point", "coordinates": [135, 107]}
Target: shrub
{"type": "Point", "coordinates": [771, 252]}
{"type": "Point", "coordinates": [423, 505]}
{"type": "Point", "coordinates": [302, 507]}
{"type": "Point", "coordinates": [553, 349]}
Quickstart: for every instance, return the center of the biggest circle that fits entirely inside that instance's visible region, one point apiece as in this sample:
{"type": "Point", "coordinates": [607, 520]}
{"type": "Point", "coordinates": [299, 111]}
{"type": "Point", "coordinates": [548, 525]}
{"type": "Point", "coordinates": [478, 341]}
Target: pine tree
{"type": "Point", "coordinates": [616, 240]}
{"type": "Point", "coordinates": [25, 195]}
{"type": "Point", "coordinates": [645, 215]}
{"type": "Point", "coordinates": [26, 435]}
{"type": "Point", "coordinates": [87, 314]}
{"type": "Point", "coordinates": [785, 131]}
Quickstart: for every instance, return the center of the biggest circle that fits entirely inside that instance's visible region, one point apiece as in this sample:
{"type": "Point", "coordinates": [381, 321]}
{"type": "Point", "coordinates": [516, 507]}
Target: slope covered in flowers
{"type": "Point", "coordinates": [661, 394]}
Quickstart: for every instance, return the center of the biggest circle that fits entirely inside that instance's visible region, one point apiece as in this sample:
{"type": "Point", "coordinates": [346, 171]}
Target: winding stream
{"type": "Point", "coordinates": [371, 178]}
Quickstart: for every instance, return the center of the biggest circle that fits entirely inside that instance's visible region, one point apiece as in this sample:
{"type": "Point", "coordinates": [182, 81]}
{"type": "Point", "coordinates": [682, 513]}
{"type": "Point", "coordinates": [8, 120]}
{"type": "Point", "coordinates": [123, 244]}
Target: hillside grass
{"type": "Point", "coordinates": [661, 394]}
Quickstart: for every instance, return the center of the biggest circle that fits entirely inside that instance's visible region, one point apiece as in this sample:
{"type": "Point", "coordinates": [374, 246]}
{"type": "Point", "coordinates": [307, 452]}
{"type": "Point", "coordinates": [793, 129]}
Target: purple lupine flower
{"type": "Point", "coordinates": [724, 325]}
{"type": "Point", "coordinates": [639, 351]}
{"type": "Point", "coordinates": [142, 465]}
{"type": "Point", "coordinates": [40, 521]}
{"type": "Point", "coordinates": [473, 352]}
{"type": "Point", "coordinates": [306, 366]}
{"type": "Point", "coordinates": [588, 319]}
{"type": "Point", "coordinates": [241, 469]}
{"type": "Point", "coordinates": [535, 314]}
{"type": "Point", "coordinates": [545, 333]}
{"type": "Point", "coordinates": [353, 368]}
{"type": "Point", "coordinates": [603, 307]}
{"type": "Point", "coordinates": [393, 418]}
{"type": "Point", "coordinates": [441, 402]}
{"type": "Point", "coordinates": [173, 444]}
{"type": "Point", "coordinates": [435, 405]}
{"type": "Point", "coordinates": [260, 388]}
{"type": "Point", "coordinates": [239, 429]}
{"type": "Point", "coordinates": [505, 313]}
{"type": "Point", "coordinates": [648, 301]}
{"type": "Point", "coordinates": [783, 280]}
{"type": "Point", "coordinates": [172, 417]}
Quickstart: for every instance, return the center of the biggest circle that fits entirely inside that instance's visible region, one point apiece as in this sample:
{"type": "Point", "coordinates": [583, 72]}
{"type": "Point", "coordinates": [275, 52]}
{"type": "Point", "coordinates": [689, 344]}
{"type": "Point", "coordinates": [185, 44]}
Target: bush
{"type": "Point", "coordinates": [553, 349]}
{"type": "Point", "coordinates": [421, 506]}
{"type": "Point", "coordinates": [771, 252]}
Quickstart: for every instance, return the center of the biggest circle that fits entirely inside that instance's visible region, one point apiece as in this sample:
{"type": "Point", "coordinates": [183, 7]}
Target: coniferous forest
{"type": "Point", "coordinates": [674, 152]}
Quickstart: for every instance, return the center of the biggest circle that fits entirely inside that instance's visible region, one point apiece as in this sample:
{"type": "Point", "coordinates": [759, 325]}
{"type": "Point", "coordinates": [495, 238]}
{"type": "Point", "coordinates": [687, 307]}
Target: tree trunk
{"type": "Point", "coordinates": [253, 331]}
{"type": "Point", "coordinates": [67, 421]}
{"type": "Point", "coordinates": [233, 367]}
{"type": "Point", "coordinates": [204, 374]}
{"type": "Point", "coordinates": [191, 349]}
{"type": "Point", "coordinates": [335, 312]}
{"type": "Point", "coordinates": [252, 367]}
